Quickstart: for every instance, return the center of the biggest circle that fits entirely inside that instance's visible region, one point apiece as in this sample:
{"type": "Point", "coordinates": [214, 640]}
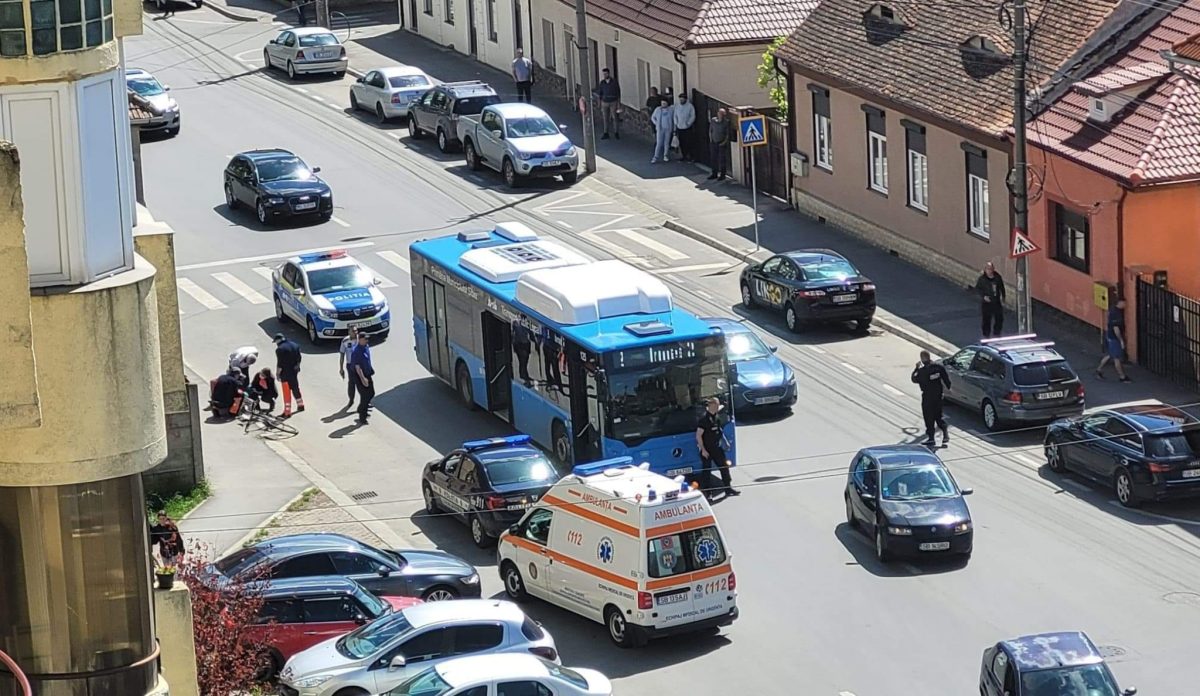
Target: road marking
{"type": "Point", "coordinates": [705, 295]}
{"type": "Point", "coordinates": [617, 218]}
{"type": "Point", "coordinates": [396, 260]}
{"type": "Point", "coordinates": [554, 204]}
{"type": "Point", "coordinates": [696, 267]}
{"type": "Point", "coordinates": [334, 106]}
{"type": "Point", "coordinates": [247, 61]}
{"type": "Point", "coordinates": [816, 349]}
{"type": "Point", "coordinates": [852, 368]}
{"type": "Point", "coordinates": [301, 90]}
{"type": "Point", "coordinates": [654, 244]}
{"type": "Point", "coordinates": [269, 257]}
{"type": "Point", "coordinates": [383, 282]}
{"type": "Point", "coordinates": [199, 294]}
{"type": "Point", "coordinates": [340, 221]}
{"type": "Point", "coordinates": [845, 693]}
{"type": "Point", "coordinates": [615, 249]}
{"type": "Point", "coordinates": [265, 272]}
{"type": "Point", "coordinates": [320, 99]}
{"type": "Point", "coordinates": [889, 388]}
{"type": "Point", "coordinates": [1026, 459]}
{"type": "Point", "coordinates": [250, 294]}
{"type": "Point", "coordinates": [565, 224]}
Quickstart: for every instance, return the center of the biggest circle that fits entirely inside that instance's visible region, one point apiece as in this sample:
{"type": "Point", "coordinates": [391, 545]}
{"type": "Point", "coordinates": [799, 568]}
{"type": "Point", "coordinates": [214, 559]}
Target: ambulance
{"type": "Point", "coordinates": [629, 548]}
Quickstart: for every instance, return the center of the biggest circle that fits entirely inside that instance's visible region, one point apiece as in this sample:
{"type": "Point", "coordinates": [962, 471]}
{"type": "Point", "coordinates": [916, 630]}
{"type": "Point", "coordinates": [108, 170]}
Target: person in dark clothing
{"type": "Point", "coordinates": [550, 355]}
{"type": "Point", "coordinates": [262, 387]}
{"type": "Point", "coordinates": [990, 287]}
{"type": "Point", "coordinates": [360, 363]}
{"type": "Point", "coordinates": [287, 366]}
{"type": "Point", "coordinates": [652, 101]}
{"type": "Point", "coordinates": [522, 348]}
{"type": "Point", "coordinates": [1114, 341]}
{"type": "Point", "coordinates": [169, 539]}
{"type": "Point", "coordinates": [711, 442]}
{"type": "Point", "coordinates": [300, 16]}
{"type": "Point", "coordinates": [720, 129]}
{"type": "Point", "coordinates": [225, 394]}
{"type": "Point", "coordinates": [609, 94]}
{"type": "Point", "coordinates": [933, 380]}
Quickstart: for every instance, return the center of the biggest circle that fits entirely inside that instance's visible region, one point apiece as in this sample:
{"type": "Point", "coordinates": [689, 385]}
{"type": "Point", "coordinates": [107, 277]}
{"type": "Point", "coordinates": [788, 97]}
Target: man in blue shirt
{"type": "Point", "coordinates": [364, 374]}
{"type": "Point", "coordinates": [1114, 341]}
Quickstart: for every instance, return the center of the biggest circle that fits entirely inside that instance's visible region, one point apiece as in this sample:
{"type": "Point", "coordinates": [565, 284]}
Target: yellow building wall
{"type": "Point", "coordinates": [155, 242]}
{"type": "Point", "coordinates": [1162, 231]}
{"type": "Point", "coordinates": [18, 390]}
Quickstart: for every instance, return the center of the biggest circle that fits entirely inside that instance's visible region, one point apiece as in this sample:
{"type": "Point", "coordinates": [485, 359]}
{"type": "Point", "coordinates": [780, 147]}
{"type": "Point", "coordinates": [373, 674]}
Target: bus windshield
{"type": "Point", "coordinates": [659, 390]}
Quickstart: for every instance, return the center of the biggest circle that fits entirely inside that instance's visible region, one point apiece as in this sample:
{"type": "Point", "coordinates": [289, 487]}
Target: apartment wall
{"type": "Point", "coordinates": [453, 23]}
{"type": "Point", "coordinates": [730, 74]}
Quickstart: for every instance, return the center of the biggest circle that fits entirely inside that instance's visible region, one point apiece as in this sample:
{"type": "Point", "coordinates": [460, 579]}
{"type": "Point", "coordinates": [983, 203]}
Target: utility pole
{"type": "Point", "coordinates": [1019, 177]}
{"type": "Point", "coordinates": [585, 81]}
{"type": "Point", "coordinates": [323, 18]}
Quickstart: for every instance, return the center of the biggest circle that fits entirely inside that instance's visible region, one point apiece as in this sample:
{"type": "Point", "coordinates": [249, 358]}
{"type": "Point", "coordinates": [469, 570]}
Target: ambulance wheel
{"type": "Point", "coordinates": [514, 584]}
{"type": "Point", "coordinates": [479, 535]}
{"type": "Point", "coordinates": [619, 630]}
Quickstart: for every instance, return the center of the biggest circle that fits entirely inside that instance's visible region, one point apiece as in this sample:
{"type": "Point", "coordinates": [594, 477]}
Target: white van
{"type": "Point", "coordinates": [634, 550]}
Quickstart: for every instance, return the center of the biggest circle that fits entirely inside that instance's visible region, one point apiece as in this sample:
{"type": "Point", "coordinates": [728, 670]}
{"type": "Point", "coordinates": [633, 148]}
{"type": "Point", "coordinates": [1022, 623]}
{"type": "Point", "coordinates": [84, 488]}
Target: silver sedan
{"type": "Point", "coordinates": [388, 92]}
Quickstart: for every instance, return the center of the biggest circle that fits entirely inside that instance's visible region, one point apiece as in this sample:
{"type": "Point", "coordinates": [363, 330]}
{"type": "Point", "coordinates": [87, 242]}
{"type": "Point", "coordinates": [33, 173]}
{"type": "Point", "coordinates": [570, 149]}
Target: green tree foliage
{"type": "Point", "coordinates": [771, 79]}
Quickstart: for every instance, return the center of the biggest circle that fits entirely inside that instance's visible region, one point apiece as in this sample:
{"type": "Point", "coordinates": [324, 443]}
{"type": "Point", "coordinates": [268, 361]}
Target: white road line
{"type": "Point", "coordinates": [396, 260]}
{"type": "Point", "coordinates": [817, 349]}
{"type": "Point", "coordinates": [892, 390]}
{"type": "Point", "coordinates": [617, 218]}
{"type": "Point", "coordinates": [653, 244]}
{"type": "Point", "coordinates": [553, 204]}
{"type": "Point", "coordinates": [248, 293]}
{"type": "Point", "coordinates": [334, 106]}
{"type": "Point", "coordinates": [845, 693]}
{"type": "Point", "coordinates": [301, 90]}
{"type": "Point", "coordinates": [199, 294]}
{"type": "Point", "coordinates": [320, 99]}
{"type": "Point", "coordinates": [339, 221]}
{"type": "Point", "coordinates": [852, 368]}
{"type": "Point", "coordinates": [265, 272]}
{"type": "Point", "coordinates": [565, 224]}
{"type": "Point", "coordinates": [383, 282]}
{"type": "Point", "coordinates": [615, 249]}
{"type": "Point", "coordinates": [696, 267]}
{"type": "Point", "coordinates": [583, 205]}
{"type": "Point", "coordinates": [1026, 459]}
{"type": "Point", "coordinates": [268, 257]}
{"type": "Point", "coordinates": [247, 61]}
{"type": "Point", "coordinates": [705, 295]}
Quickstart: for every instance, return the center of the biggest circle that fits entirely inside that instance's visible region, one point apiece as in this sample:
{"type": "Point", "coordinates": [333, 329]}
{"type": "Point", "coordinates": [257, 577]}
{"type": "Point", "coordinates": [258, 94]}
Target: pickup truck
{"type": "Point", "coordinates": [520, 141]}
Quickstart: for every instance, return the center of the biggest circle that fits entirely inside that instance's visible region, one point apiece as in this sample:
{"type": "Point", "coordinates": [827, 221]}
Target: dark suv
{"type": "Point", "coordinates": [437, 110]}
{"type": "Point", "coordinates": [1014, 379]}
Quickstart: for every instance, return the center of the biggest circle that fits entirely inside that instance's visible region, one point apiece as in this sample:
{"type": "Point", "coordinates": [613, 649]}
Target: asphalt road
{"type": "Point", "coordinates": [819, 614]}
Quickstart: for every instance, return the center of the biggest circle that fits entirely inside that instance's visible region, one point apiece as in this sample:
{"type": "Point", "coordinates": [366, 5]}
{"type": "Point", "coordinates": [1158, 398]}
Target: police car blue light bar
{"type": "Point", "coordinates": [509, 440]}
{"type": "Point", "coordinates": [597, 467]}
{"type": "Point", "coordinates": [323, 256]}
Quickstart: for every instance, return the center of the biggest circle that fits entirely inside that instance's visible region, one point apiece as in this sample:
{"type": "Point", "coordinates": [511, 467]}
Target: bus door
{"type": "Point", "coordinates": [497, 363]}
{"type": "Point", "coordinates": [436, 337]}
{"type": "Point", "coordinates": [583, 374]}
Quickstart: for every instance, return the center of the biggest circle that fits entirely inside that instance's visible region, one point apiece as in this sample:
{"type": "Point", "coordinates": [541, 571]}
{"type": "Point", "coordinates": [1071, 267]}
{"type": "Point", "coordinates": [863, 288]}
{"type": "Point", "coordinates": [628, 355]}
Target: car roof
{"type": "Point", "coordinates": [517, 110]}
{"type": "Point", "coordinates": [137, 72]}
{"type": "Point", "coordinates": [309, 31]}
{"type": "Point", "coordinates": [326, 263]}
{"type": "Point", "coordinates": [467, 89]}
{"type": "Point", "coordinates": [490, 455]}
{"type": "Point", "coordinates": [292, 544]}
{"type": "Point", "coordinates": [727, 325]}
{"type": "Point", "coordinates": [265, 154]}
{"type": "Point", "coordinates": [292, 587]}
{"type": "Point", "coordinates": [390, 70]}
{"type": "Point", "coordinates": [459, 610]}
{"type": "Point", "coordinates": [1049, 650]}
{"type": "Point", "coordinates": [1150, 418]}
{"type": "Point", "coordinates": [474, 668]}
{"type": "Point", "coordinates": [900, 456]}
{"type": "Point", "coordinates": [802, 256]}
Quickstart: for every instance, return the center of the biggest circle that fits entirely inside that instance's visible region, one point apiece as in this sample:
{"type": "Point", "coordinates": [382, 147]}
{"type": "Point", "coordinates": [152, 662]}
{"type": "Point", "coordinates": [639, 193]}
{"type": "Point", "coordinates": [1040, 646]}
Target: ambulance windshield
{"type": "Point", "coordinates": [685, 553]}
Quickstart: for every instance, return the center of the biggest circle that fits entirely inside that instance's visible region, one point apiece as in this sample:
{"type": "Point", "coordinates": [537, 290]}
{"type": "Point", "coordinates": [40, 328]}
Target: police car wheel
{"type": "Point", "coordinates": [312, 331]}
{"type": "Point", "coordinates": [431, 505]}
{"type": "Point", "coordinates": [514, 584]}
{"type": "Point", "coordinates": [279, 315]}
{"type": "Point", "coordinates": [479, 535]}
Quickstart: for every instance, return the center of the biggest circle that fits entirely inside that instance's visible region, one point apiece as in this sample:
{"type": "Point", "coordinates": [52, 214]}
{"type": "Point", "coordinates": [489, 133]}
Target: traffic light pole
{"type": "Point", "coordinates": [585, 81]}
{"type": "Point", "coordinates": [1020, 175]}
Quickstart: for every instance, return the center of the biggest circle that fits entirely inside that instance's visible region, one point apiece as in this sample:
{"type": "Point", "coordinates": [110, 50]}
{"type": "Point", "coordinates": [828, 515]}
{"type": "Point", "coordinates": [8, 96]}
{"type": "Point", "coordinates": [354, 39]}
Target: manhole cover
{"type": "Point", "coordinates": [365, 495]}
{"type": "Point", "coordinates": [1189, 598]}
{"type": "Point", "coordinates": [1110, 651]}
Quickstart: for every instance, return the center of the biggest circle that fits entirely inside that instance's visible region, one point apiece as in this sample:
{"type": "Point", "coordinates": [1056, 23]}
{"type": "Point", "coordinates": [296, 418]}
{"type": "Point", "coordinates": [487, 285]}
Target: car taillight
{"type": "Point", "coordinates": [396, 99]}
{"type": "Point", "coordinates": [545, 652]}
{"type": "Point", "coordinates": [645, 600]}
{"type": "Point", "coordinates": [732, 581]}
{"type": "Point", "coordinates": [495, 502]}
{"type": "Point", "coordinates": [1013, 397]}
{"type": "Point", "coordinates": [300, 55]}
{"type": "Point", "coordinates": [342, 52]}
{"type": "Point", "coordinates": [1159, 468]}
{"type": "Point", "coordinates": [811, 293]}
{"type": "Point", "coordinates": [1079, 391]}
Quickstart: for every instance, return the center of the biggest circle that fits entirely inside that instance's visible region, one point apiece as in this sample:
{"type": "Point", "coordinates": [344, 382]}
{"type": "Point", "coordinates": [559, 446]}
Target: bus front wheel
{"type": "Point", "coordinates": [462, 383]}
{"type": "Point", "coordinates": [560, 444]}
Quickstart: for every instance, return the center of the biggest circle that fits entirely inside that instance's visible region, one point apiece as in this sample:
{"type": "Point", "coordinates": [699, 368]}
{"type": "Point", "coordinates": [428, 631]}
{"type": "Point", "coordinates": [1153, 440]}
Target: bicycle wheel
{"type": "Point", "coordinates": [273, 422]}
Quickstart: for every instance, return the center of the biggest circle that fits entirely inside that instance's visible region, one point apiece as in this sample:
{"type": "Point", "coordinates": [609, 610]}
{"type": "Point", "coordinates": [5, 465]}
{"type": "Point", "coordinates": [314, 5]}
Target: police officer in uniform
{"type": "Point", "coordinates": [933, 379]}
{"type": "Point", "coordinates": [711, 442]}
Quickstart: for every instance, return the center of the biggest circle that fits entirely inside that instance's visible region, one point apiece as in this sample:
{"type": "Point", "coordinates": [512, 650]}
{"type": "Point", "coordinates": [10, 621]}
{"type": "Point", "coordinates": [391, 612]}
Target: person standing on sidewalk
{"type": "Point", "coordinates": [522, 72]}
{"type": "Point", "coordinates": [1114, 341]}
{"type": "Point", "coordinates": [990, 287]}
{"type": "Point", "coordinates": [300, 18]}
{"type": "Point", "coordinates": [364, 374]}
{"type": "Point", "coordinates": [711, 442]}
{"type": "Point", "coordinates": [685, 118]}
{"type": "Point", "coordinates": [287, 369]}
{"type": "Point", "coordinates": [663, 120]}
{"type": "Point", "coordinates": [932, 378]}
{"type": "Point", "coordinates": [344, 350]}
{"type": "Point", "coordinates": [652, 101]}
{"type": "Point", "coordinates": [719, 131]}
{"type": "Point", "coordinates": [609, 94]}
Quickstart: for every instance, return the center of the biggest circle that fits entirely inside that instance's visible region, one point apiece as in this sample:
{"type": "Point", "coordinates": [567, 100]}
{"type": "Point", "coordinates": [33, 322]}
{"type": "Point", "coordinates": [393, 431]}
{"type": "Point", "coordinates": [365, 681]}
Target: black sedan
{"type": "Point", "coordinates": [811, 285]}
{"type": "Point", "coordinates": [276, 184]}
{"type": "Point", "coordinates": [489, 484]}
{"type": "Point", "coordinates": [428, 574]}
{"type": "Point", "coordinates": [906, 497]}
{"type": "Point", "coordinates": [1143, 451]}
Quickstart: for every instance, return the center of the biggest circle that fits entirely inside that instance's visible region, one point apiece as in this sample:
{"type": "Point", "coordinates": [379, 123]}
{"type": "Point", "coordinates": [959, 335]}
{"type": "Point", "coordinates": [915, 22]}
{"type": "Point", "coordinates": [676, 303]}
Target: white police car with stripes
{"type": "Point", "coordinates": [327, 293]}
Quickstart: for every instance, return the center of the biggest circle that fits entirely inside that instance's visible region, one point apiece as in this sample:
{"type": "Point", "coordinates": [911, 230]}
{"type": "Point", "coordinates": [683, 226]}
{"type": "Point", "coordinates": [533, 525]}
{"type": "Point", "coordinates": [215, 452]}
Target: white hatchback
{"type": "Point", "coordinates": [504, 675]}
{"type": "Point", "coordinates": [305, 51]}
{"type": "Point", "coordinates": [389, 92]}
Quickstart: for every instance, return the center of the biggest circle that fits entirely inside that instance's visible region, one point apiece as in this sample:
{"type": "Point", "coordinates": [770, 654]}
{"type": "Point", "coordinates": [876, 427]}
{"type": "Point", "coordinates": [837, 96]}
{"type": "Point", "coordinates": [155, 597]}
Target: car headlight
{"type": "Point", "coordinates": [962, 527]}
{"type": "Point", "coordinates": [524, 155]}
{"type": "Point", "coordinates": [472, 579]}
{"type": "Point", "coordinates": [275, 201]}
{"type": "Point", "coordinates": [327, 313]}
{"type": "Point", "coordinates": [571, 151]}
{"type": "Point", "coordinates": [791, 378]}
{"type": "Point", "coordinates": [310, 682]}
{"type": "Point", "coordinates": [900, 531]}
{"type": "Point", "coordinates": [327, 194]}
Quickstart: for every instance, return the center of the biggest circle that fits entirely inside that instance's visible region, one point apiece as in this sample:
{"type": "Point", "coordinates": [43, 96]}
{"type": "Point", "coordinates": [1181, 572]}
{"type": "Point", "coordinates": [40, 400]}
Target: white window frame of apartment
{"type": "Point", "coordinates": [549, 48]}
{"type": "Point", "coordinates": [448, 8]}
{"type": "Point", "coordinates": [877, 166]}
{"type": "Point", "coordinates": [823, 141]}
{"type": "Point", "coordinates": [978, 206]}
{"type": "Point", "coordinates": [918, 180]}
{"type": "Point", "coordinates": [428, 7]}
{"type": "Point", "coordinates": [490, 10]}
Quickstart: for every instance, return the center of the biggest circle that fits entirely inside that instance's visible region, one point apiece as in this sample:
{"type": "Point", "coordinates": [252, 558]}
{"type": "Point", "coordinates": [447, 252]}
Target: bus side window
{"type": "Point", "coordinates": [527, 361]}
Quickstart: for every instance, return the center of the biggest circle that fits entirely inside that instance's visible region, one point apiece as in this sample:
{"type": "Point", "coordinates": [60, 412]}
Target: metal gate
{"type": "Point", "coordinates": [706, 107]}
{"type": "Point", "coordinates": [1168, 333]}
{"type": "Point", "coordinates": [770, 161]}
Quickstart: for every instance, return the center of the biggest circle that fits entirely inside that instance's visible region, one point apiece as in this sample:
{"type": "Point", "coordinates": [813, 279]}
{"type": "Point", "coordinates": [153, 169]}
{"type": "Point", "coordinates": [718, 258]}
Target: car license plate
{"type": "Point", "coordinates": [935, 546]}
{"type": "Point", "coordinates": [520, 506]}
{"type": "Point", "coordinates": [1191, 473]}
{"type": "Point", "coordinates": [305, 206]}
{"type": "Point", "coordinates": [764, 400]}
{"type": "Point", "coordinates": [673, 598]}
{"type": "Point", "coordinates": [841, 299]}
{"type": "Point", "coordinates": [680, 471]}
{"type": "Point", "coordinates": [358, 324]}
{"type": "Point", "coordinates": [323, 55]}
{"type": "Point", "coordinates": [1051, 395]}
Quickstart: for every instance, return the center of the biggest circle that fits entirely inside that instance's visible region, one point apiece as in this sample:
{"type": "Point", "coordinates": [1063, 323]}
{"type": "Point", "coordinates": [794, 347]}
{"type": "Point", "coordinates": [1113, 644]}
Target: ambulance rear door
{"type": "Point", "coordinates": [688, 575]}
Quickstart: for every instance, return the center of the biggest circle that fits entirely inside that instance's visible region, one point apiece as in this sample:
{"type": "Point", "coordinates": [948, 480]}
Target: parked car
{"type": "Point", "coordinates": [520, 141]}
{"type": "Point", "coordinates": [155, 98]}
{"type": "Point", "coordinates": [1062, 664]}
{"type": "Point", "coordinates": [389, 92]}
{"type": "Point", "coordinates": [907, 499]}
{"type": "Point", "coordinates": [1015, 379]}
{"type": "Point", "coordinates": [428, 574]}
{"type": "Point", "coordinates": [380, 655]}
{"type": "Point", "coordinates": [763, 380]}
{"type": "Point", "coordinates": [306, 51]}
{"type": "Point", "coordinates": [438, 110]}
{"type": "Point", "coordinates": [505, 674]}
{"type": "Point", "coordinates": [1145, 451]}
{"type": "Point", "coordinates": [298, 613]}
{"type": "Point", "coordinates": [276, 184]}
{"type": "Point", "coordinates": [161, 5]}
{"type": "Point", "coordinates": [808, 286]}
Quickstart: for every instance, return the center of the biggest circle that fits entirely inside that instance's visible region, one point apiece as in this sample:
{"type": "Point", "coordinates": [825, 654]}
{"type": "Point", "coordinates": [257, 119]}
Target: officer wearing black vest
{"type": "Point", "coordinates": [933, 380]}
{"type": "Point", "coordinates": [711, 442]}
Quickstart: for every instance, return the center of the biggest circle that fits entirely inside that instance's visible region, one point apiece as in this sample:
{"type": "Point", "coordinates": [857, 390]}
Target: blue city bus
{"type": "Point", "coordinates": [590, 358]}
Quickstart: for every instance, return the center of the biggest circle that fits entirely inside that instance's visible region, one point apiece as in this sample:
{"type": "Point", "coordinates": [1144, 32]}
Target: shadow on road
{"type": "Point", "coordinates": [863, 549]}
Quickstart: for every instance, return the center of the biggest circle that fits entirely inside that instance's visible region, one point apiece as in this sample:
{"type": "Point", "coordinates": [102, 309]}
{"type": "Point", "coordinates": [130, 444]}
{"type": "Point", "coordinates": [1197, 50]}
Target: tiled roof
{"type": "Point", "coordinates": [139, 111]}
{"type": "Point", "coordinates": [1122, 78]}
{"type": "Point", "coordinates": [1155, 137]}
{"type": "Point", "coordinates": [1189, 48]}
{"type": "Point", "coordinates": [679, 24]}
{"type": "Point", "coordinates": [923, 61]}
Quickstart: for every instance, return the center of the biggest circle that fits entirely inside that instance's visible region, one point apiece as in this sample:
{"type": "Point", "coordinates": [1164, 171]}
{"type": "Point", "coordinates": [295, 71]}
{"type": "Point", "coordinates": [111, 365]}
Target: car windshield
{"type": "Point", "coordinates": [563, 673]}
{"type": "Point", "coordinates": [686, 552]}
{"type": "Point", "coordinates": [828, 269]}
{"type": "Point", "coordinates": [283, 169]}
{"type": "Point", "coordinates": [659, 390]}
{"type": "Point", "coordinates": [375, 606]}
{"type": "Point", "coordinates": [427, 683]}
{"type": "Point", "coordinates": [1081, 680]}
{"type": "Point", "coordinates": [145, 86]}
{"type": "Point", "coordinates": [745, 346]}
{"type": "Point", "coordinates": [523, 468]}
{"type": "Point", "coordinates": [1186, 443]}
{"type": "Point", "coordinates": [918, 482]}
{"type": "Point", "coordinates": [402, 81]}
{"type": "Point", "coordinates": [326, 280]}
{"type": "Point", "coordinates": [318, 40]}
{"type": "Point", "coordinates": [474, 105]}
{"type": "Point", "coordinates": [365, 641]}
{"type": "Point", "coordinates": [530, 127]}
{"type": "Point", "coordinates": [1042, 373]}
{"type": "Point", "coordinates": [239, 561]}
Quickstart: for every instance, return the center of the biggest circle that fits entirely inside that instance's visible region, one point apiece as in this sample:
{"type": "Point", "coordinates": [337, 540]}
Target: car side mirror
{"type": "Point", "coordinates": [361, 79]}
{"type": "Point", "coordinates": [315, 170]}
{"type": "Point", "coordinates": [273, 41]}
{"type": "Point", "coordinates": [867, 495]}
{"type": "Point", "coordinates": [166, 88]}
{"type": "Point", "coordinates": [398, 662]}
{"type": "Point", "coordinates": [967, 491]}
{"type": "Point", "coordinates": [773, 349]}
{"type": "Point", "coordinates": [498, 135]}
{"type": "Point", "coordinates": [1130, 691]}
{"type": "Point", "coordinates": [515, 529]}
{"type": "Point", "coordinates": [384, 571]}
{"type": "Point", "coordinates": [360, 619]}
{"type": "Point", "coordinates": [562, 126]}
{"type": "Point", "coordinates": [298, 292]}
{"type": "Point", "coordinates": [251, 179]}
{"type": "Point", "coordinates": [376, 281]}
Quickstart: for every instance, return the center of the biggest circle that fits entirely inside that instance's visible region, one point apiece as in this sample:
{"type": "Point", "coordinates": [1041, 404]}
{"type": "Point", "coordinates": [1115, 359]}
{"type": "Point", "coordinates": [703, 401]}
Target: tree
{"type": "Point", "coordinates": [770, 78]}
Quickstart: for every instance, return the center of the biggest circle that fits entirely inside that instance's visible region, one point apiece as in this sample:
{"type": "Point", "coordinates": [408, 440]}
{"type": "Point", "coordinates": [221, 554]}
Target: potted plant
{"type": "Point", "coordinates": [166, 576]}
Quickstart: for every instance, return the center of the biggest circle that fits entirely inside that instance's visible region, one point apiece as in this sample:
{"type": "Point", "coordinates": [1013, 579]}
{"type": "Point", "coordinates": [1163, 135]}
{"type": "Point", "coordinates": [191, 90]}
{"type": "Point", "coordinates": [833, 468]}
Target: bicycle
{"type": "Point", "coordinates": [252, 411]}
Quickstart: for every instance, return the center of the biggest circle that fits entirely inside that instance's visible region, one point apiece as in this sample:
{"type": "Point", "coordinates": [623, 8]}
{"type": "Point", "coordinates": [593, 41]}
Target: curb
{"type": "Point", "coordinates": [221, 9]}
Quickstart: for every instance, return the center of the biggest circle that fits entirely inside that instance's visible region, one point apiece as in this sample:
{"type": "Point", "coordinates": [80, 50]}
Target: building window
{"type": "Point", "coordinates": [877, 164]}
{"type": "Point", "coordinates": [58, 25]}
{"type": "Point", "coordinates": [491, 21]}
{"type": "Point", "coordinates": [610, 61]}
{"type": "Point", "coordinates": [449, 11]}
{"type": "Point", "coordinates": [666, 82]}
{"type": "Point", "coordinates": [978, 202]}
{"type": "Point", "coordinates": [1072, 238]}
{"type": "Point", "coordinates": [429, 7]}
{"type": "Point", "coordinates": [643, 71]}
{"type": "Point", "coordinates": [518, 35]}
{"type": "Point", "coordinates": [822, 129]}
{"type": "Point", "coordinates": [548, 57]}
{"type": "Point", "coordinates": [918, 166]}
{"type": "Point", "coordinates": [12, 28]}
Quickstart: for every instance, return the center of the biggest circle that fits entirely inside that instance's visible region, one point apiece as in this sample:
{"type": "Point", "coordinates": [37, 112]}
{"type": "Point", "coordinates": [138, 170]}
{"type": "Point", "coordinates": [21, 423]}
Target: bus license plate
{"type": "Point", "coordinates": [935, 546]}
{"type": "Point", "coordinates": [1191, 473]}
{"type": "Point", "coordinates": [841, 299]}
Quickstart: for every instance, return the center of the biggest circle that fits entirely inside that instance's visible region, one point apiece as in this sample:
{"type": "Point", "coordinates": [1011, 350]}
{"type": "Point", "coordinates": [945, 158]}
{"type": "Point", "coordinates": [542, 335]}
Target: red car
{"type": "Point", "coordinates": [301, 612]}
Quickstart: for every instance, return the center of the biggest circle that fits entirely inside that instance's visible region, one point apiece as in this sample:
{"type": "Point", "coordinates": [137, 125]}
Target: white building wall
{"type": "Point", "coordinates": [493, 24]}
{"type": "Point", "coordinates": [730, 74]}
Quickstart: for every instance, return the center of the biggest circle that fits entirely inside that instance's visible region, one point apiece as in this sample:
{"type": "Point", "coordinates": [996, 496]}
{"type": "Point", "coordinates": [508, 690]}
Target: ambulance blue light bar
{"type": "Point", "coordinates": [592, 468]}
{"type": "Point", "coordinates": [323, 256]}
{"type": "Point", "coordinates": [507, 441]}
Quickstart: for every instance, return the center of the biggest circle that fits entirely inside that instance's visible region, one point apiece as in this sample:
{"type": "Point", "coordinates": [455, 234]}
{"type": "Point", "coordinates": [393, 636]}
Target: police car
{"type": "Point", "coordinates": [489, 484]}
{"type": "Point", "coordinates": [327, 293]}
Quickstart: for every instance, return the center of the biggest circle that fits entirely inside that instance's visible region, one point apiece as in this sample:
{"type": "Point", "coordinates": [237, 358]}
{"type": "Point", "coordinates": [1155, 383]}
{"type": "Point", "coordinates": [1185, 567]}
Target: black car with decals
{"type": "Point", "coordinates": [489, 484]}
{"type": "Point", "coordinates": [811, 286]}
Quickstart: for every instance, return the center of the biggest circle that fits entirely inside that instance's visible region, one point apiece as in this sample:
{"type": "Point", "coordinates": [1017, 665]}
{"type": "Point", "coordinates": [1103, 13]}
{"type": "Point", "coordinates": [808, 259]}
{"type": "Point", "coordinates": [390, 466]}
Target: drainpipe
{"type": "Point", "coordinates": [683, 71]}
{"type": "Point", "coordinates": [1121, 242]}
{"type": "Point", "coordinates": [529, 16]}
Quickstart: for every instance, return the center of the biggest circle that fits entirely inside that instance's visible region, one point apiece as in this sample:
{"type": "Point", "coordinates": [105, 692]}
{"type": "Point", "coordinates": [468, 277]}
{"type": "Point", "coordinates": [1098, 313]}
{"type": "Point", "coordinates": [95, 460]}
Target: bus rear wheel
{"type": "Point", "coordinates": [560, 445]}
{"type": "Point", "coordinates": [462, 383]}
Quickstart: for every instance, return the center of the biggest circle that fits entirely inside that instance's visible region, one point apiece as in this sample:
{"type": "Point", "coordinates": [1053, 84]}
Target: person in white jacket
{"type": "Point", "coordinates": [685, 118]}
{"type": "Point", "coordinates": [663, 119]}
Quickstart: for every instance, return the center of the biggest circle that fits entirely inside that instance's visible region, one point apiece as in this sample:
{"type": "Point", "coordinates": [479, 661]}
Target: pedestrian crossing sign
{"type": "Point", "coordinates": [753, 130]}
{"type": "Point", "coordinates": [1022, 245]}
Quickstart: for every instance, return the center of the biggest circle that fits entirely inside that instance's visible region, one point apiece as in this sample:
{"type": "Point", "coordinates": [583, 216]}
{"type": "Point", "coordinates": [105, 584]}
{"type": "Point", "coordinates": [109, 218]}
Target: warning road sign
{"type": "Point", "coordinates": [1022, 245]}
{"type": "Point", "coordinates": [753, 130]}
